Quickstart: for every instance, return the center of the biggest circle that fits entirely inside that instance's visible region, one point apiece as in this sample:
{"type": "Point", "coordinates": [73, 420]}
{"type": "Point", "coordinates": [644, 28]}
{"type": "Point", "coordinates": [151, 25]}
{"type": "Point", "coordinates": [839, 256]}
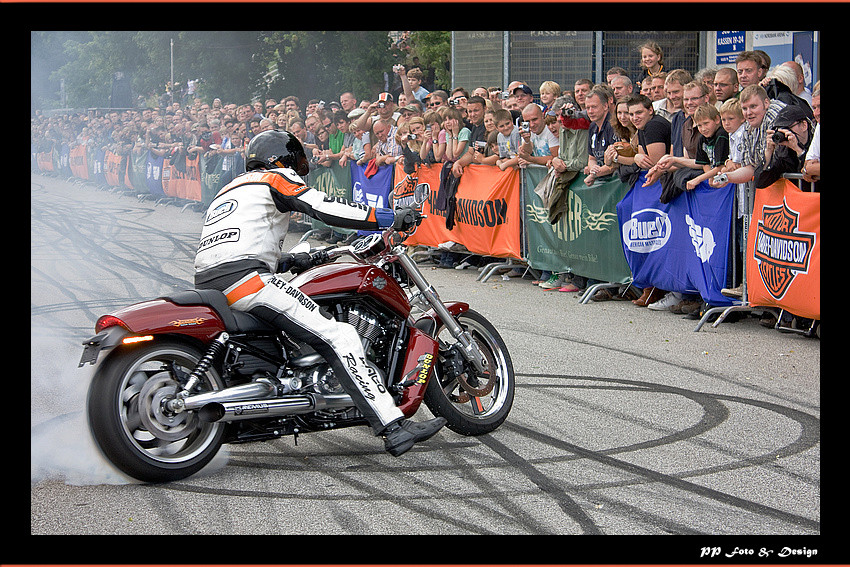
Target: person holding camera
{"type": "Point", "coordinates": [475, 107]}
{"type": "Point", "coordinates": [539, 146]}
{"type": "Point", "coordinates": [785, 147]}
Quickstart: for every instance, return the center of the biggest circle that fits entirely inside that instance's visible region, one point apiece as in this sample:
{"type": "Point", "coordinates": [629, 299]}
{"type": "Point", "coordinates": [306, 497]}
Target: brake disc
{"type": "Point", "coordinates": [161, 424]}
{"type": "Point", "coordinates": [478, 385]}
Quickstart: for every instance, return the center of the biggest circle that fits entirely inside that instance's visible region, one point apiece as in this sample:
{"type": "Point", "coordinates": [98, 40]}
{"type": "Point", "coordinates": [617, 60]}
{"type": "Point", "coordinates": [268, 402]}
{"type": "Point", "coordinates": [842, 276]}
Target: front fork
{"type": "Point", "coordinates": [469, 348]}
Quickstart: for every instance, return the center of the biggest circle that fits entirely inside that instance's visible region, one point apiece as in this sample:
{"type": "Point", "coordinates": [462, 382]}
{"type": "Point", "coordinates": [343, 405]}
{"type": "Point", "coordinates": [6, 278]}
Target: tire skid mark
{"type": "Point", "coordinates": [809, 437]}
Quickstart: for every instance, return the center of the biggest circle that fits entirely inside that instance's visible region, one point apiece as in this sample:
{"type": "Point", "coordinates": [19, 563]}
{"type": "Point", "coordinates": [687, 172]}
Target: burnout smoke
{"type": "Point", "coordinates": [61, 447]}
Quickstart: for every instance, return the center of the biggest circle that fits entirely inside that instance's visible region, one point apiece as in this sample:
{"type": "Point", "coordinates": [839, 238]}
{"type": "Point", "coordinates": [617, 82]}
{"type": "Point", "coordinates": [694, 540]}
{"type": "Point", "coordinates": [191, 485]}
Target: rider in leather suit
{"type": "Point", "coordinates": [238, 254]}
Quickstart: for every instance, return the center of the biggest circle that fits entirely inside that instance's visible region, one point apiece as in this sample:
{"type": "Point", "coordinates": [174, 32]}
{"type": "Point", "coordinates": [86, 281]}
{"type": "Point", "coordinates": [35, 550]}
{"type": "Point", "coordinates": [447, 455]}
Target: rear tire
{"type": "Point", "coordinates": [127, 420]}
{"type": "Point", "coordinates": [465, 412]}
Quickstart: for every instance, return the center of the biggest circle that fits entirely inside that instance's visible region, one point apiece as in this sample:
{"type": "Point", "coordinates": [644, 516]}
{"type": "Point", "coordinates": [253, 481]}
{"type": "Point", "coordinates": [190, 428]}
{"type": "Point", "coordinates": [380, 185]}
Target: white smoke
{"type": "Point", "coordinates": [61, 445]}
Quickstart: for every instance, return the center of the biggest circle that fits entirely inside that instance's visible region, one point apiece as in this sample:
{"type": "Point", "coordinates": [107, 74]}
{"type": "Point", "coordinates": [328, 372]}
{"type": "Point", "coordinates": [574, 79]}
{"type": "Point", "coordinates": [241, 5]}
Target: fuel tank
{"type": "Point", "coordinates": [348, 277]}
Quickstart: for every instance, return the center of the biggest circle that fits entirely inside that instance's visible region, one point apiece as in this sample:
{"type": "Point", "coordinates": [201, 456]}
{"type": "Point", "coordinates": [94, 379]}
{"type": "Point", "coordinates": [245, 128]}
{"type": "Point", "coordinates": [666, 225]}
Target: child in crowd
{"type": "Point", "coordinates": [489, 153]}
{"type": "Point", "coordinates": [434, 148]}
{"type": "Point", "coordinates": [358, 150]}
{"type": "Point", "coordinates": [712, 145]}
{"type": "Point", "coordinates": [508, 140]}
{"type": "Point", "coordinates": [732, 118]}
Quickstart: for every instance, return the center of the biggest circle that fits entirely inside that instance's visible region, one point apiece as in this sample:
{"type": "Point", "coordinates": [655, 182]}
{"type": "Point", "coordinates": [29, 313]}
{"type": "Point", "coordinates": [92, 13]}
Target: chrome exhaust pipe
{"type": "Point", "coordinates": [257, 389]}
{"type": "Point", "coordinates": [277, 407]}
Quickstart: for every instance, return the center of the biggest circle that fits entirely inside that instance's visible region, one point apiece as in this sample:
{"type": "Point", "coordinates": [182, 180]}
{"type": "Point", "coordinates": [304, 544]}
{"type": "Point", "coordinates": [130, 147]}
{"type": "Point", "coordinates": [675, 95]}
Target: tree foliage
{"type": "Point", "coordinates": [323, 64]}
{"type": "Point", "coordinates": [236, 66]}
{"type": "Point", "coordinates": [434, 49]}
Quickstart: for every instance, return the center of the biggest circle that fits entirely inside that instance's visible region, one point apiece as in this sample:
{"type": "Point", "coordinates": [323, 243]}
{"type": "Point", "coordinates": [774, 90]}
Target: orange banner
{"type": "Point", "coordinates": [182, 184]}
{"type": "Point", "coordinates": [79, 162]}
{"type": "Point", "coordinates": [112, 169]}
{"type": "Point", "coordinates": [45, 161]}
{"type": "Point", "coordinates": [783, 250]}
{"type": "Point", "coordinates": [487, 216]}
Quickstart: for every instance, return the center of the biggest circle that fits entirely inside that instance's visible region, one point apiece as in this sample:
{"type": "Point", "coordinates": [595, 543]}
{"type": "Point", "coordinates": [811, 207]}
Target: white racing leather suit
{"type": "Point", "coordinates": [238, 253]}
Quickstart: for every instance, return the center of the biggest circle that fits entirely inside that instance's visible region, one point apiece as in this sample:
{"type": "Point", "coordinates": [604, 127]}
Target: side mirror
{"type": "Point", "coordinates": [302, 246]}
{"type": "Point", "coordinates": [421, 193]}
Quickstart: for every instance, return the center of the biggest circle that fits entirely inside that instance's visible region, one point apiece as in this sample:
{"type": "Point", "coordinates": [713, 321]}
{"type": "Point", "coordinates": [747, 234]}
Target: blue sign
{"type": "Point", "coordinates": [728, 45]}
{"type": "Point", "coordinates": [680, 246]}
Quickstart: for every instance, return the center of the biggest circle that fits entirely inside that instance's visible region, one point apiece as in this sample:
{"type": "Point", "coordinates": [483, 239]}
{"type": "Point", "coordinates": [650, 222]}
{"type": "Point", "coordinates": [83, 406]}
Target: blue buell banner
{"type": "Point", "coordinates": [680, 246]}
{"type": "Point", "coordinates": [373, 190]}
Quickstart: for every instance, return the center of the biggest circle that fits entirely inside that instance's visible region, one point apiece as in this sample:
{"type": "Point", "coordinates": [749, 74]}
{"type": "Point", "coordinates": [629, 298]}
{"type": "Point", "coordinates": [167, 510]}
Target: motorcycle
{"type": "Point", "coordinates": [183, 374]}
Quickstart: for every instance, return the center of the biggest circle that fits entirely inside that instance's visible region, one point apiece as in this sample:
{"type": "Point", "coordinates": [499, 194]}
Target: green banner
{"type": "Point", "coordinates": [137, 170]}
{"type": "Point", "coordinates": [586, 239]}
{"type": "Point", "coordinates": [334, 181]}
{"type": "Point", "coordinates": [211, 176]}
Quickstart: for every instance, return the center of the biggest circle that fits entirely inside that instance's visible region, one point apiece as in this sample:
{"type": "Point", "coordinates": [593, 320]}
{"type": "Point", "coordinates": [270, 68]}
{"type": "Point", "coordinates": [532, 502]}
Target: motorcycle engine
{"type": "Point", "coordinates": [314, 373]}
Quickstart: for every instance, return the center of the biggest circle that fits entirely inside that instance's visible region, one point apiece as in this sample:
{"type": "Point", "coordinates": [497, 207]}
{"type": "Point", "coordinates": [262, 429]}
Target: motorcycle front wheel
{"type": "Point", "coordinates": [473, 404]}
{"type": "Point", "coordinates": [127, 417]}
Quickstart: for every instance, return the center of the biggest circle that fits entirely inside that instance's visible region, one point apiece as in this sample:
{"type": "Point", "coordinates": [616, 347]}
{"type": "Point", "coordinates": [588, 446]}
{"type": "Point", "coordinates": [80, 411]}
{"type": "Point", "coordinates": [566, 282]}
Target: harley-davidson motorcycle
{"type": "Point", "coordinates": [183, 374]}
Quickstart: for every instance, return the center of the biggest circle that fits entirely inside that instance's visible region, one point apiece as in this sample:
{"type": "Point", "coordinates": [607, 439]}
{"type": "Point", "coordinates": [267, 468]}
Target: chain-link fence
{"type": "Point", "coordinates": [482, 58]}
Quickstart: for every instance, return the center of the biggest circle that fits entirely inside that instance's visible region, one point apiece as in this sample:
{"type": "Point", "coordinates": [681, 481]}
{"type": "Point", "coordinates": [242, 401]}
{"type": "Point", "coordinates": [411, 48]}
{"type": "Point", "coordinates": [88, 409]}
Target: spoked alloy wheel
{"type": "Point", "coordinates": [474, 404]}
{"type": "Point", "coordinates": [129, 421]}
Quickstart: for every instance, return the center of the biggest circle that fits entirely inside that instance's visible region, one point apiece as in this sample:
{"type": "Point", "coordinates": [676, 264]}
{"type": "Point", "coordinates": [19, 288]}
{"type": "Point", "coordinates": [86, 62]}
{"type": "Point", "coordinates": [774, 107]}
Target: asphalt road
{"type": "Point", "coordinates": [626, 421]}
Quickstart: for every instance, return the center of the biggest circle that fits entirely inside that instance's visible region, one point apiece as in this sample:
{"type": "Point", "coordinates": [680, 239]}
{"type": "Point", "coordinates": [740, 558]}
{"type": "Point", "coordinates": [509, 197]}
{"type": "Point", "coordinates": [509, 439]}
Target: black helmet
{"type": "Point", "coordinates": [276, 148]}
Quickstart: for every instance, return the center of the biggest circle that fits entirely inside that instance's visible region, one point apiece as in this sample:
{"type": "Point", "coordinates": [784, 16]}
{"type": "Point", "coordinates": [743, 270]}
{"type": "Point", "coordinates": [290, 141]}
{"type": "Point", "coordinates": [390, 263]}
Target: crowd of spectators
{"type": "Point", "coordinates": [676, 127]}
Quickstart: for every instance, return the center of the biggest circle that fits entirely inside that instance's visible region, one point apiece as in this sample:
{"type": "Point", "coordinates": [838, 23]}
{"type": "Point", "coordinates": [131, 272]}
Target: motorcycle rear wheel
{"type": "Point", "coordinates": [486, 408]}
{"type": "Point", "coordinates": [127, 420]}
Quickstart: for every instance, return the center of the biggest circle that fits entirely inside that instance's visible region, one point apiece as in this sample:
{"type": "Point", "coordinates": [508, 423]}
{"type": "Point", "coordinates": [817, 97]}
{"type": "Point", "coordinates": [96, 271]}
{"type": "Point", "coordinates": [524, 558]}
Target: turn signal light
{"type": "Point", "coordinates": [131, 340]}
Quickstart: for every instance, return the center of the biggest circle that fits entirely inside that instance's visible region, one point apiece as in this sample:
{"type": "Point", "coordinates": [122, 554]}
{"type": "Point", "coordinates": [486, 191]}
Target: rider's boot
{"type": "Point", "coordinates": [400, 435]}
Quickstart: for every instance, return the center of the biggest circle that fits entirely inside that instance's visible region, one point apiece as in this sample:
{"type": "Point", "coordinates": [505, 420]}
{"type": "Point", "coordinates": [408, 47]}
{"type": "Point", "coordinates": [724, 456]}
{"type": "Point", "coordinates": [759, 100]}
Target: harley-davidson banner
{"type": "Point", "coordinates": [487, 218]}
{"type": "Point", "coordinates": [783, 250]}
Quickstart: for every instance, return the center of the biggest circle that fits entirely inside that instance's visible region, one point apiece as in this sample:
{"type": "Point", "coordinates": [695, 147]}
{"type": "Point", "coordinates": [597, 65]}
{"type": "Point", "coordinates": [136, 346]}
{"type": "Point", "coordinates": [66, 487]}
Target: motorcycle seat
{"type": "Point", "coordinates": [234, 321]}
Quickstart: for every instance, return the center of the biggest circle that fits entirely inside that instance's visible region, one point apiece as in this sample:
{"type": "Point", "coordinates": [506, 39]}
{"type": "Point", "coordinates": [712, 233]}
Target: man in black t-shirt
{"type": "Point", "coordinates": [600, 135]}
{"type": "Point", "coordinates": [653, 134]}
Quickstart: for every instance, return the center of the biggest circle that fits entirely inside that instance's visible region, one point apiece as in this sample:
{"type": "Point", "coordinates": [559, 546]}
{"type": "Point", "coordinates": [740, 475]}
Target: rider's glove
{"type": "Point", "coordinates": [295, 262]}
{"type": "Point", "coordinates": [405, 219]}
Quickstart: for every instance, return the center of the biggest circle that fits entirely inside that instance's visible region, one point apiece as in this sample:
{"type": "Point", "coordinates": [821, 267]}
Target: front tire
{"type": "Point", "coordinates": [127, 419]}
{"type": "Point", "coordinates": [474, 405]}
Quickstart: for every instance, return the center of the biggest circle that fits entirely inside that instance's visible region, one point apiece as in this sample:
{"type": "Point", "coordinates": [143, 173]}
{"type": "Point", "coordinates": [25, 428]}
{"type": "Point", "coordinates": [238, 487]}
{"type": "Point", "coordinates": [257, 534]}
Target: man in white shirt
{"type": "Point", "coordinates": [539, 144]}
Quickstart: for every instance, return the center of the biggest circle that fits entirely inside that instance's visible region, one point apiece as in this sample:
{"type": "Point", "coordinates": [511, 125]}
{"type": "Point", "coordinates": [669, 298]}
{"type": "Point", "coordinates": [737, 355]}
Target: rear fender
{"type": "Point", "coordinates": [151, 319]}
{"type": "Point", "coordinates": [430, 321]}
{"type": "Point", "coordinates": [106, 339]}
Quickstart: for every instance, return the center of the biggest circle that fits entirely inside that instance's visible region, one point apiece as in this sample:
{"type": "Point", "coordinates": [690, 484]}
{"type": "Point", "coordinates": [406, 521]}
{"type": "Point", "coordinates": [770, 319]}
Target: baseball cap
{"type": "Point", "coordinates": [524, 88]}
{"type": "Point", "coordinates": [385, 97]}
{"type": "Point", "coordinates": [789, 116]}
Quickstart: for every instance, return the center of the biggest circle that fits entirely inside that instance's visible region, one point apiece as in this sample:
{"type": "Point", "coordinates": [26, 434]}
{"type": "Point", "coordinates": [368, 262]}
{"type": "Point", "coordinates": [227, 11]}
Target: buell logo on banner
{"type": "Point", "coordinates": [646, 231]}
{"type": "Point", "coordinates": [781, 250]}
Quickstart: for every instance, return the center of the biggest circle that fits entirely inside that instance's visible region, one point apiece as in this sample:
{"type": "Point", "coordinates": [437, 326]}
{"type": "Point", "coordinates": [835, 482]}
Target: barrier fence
{"type": "Point", "coordinates": [608, 231]}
